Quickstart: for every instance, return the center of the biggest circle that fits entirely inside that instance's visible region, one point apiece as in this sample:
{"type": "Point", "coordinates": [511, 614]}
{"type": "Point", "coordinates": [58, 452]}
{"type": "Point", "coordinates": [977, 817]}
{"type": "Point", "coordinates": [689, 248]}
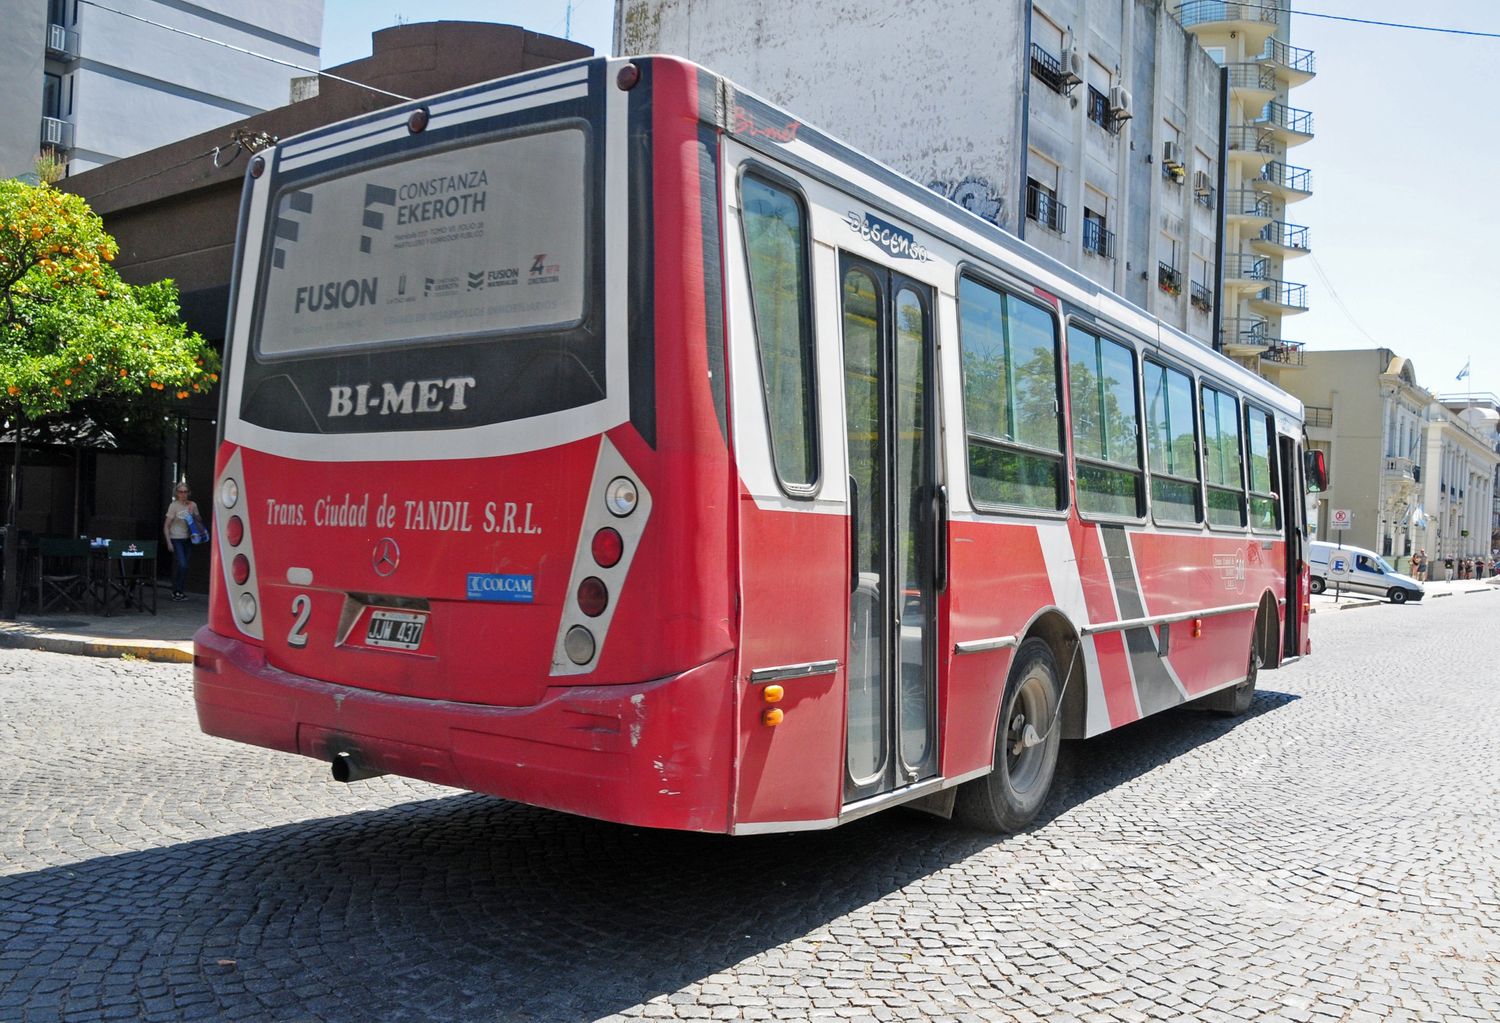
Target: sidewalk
{"type": "Point", "coordinates": [164, 636]}
{"type": "Point", "coordinates": [1436, 590]}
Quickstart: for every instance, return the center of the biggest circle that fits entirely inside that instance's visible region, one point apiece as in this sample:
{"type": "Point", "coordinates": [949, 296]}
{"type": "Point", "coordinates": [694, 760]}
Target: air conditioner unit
{"type": "Point", "coordinates": [1171, 154]}
{"type": "Point", "coordinates": [1201, 183]}
{"type": "Point", "coordinates": [57, 38]}
{"type": "Point", "coordinates": [1119, 102]}
{"type": "Point", "coordinates": [54, 132]}
{"type": "Point", "coordinates": [1072, 64]}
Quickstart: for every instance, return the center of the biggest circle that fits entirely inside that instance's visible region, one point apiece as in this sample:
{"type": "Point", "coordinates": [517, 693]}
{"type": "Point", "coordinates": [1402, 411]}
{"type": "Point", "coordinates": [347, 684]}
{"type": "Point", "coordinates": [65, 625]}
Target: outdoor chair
{"type": "Point", "coordinates": [129, 576]}
{"type": "Point", "coordinates": [62, 576]}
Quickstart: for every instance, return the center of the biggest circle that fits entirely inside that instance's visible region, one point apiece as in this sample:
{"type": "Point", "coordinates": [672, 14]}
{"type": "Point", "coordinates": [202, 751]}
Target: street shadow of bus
{"type": "Point", "coordinates": [472, 907]}
{"type": "Point", "coordinates": [1094, 766]}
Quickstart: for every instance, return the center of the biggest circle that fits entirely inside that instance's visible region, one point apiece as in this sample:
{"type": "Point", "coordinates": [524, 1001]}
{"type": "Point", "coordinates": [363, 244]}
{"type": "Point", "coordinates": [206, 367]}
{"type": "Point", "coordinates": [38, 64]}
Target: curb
{"type": "Point", "coordinates": [59, 643]}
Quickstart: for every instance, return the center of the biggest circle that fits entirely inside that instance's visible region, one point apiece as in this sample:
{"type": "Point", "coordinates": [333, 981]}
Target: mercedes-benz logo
{"type": "Point", "coordinates": [386, 557]}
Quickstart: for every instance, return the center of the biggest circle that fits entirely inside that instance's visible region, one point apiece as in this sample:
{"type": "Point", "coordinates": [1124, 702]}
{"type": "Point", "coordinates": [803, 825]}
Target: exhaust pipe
{"type": "Point", "coordinates": [347, 768]}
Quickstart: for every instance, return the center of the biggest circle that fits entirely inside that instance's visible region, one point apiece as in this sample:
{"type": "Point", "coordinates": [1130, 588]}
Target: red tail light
{"type": "Point", "coordinates": [608, 548]}
{"type": "Point", "coordinates": [235, 530]}
{"type": "Point", "coordinates": [593, 596]}
{"type": "Point", "coordinates": [241, 569]}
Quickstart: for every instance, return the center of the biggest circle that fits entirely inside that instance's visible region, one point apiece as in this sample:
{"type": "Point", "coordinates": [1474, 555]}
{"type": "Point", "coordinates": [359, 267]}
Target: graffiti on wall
{"type": "Point", "coordinates": [973, 194]}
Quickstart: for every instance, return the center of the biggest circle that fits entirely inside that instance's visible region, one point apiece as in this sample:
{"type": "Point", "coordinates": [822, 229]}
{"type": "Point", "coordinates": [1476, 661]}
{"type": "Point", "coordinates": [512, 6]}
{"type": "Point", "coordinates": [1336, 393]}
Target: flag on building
{"type": "Point", "coordinates": [1465, 371]}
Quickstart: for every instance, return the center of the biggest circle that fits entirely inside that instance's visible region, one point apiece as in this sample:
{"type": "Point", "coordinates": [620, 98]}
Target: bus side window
{"type": "Point", "coordinates": [1011, 386]}
{"type": "Point", "coordinates": [1222, 462]}
{"type": "Point", "coordinates": [1171, 446]}
{"type": "Point", "coordinates": [1265, 486]}
{"type": "Point", "coordinates": [776, 247]}
{"type": "Point", "coordinates": [1105, 420]}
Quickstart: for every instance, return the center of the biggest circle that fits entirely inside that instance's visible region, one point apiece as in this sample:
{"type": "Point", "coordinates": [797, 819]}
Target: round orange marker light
{"type": "Point", "coordinates": [772, 717]}
{"type": "Point", "coordinates": [772, 694]}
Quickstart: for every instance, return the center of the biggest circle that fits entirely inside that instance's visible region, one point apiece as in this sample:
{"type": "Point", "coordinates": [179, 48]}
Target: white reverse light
{"type": "Point", "coordinates": [621, 496]}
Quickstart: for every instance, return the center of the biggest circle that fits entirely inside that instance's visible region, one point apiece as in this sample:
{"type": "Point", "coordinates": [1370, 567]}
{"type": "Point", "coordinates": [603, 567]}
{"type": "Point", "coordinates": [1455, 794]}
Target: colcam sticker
{"type": "Point", "coordinates": [507, 589]}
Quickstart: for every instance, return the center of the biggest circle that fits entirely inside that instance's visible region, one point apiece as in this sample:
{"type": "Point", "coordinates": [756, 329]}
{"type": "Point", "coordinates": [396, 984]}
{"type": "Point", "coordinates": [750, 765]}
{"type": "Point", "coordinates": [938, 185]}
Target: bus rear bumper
{"type": "Point", "coordinates": [654, 754]}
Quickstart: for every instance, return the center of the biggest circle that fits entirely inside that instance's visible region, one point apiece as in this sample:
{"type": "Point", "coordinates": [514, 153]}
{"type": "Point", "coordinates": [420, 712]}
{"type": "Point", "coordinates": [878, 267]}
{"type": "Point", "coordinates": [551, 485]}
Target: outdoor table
{"type": "Point", "coordinates": [129, 574]}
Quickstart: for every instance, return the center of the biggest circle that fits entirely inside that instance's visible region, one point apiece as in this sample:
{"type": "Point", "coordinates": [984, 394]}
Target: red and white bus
{"type": "Point", "coordinates": [607, 439]}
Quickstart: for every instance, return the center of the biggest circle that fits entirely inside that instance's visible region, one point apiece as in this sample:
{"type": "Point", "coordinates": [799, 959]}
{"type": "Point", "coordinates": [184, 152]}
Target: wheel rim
{"type": "Point", "coordinates": [1023, 764]}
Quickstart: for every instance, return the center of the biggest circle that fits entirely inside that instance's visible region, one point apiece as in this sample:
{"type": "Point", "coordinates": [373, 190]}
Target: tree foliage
{"type": "Point", "coordinates": [70, 329]}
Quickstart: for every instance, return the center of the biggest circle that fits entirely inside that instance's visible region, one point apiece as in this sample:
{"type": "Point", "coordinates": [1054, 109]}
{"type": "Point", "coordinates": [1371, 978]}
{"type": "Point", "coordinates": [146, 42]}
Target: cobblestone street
{"type": "Point", "coordinates": [1335, 855]}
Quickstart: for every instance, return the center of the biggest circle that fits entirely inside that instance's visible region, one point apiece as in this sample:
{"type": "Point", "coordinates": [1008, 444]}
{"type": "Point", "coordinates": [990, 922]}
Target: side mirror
{"type": "Point", "coordinates": [1315, 468]}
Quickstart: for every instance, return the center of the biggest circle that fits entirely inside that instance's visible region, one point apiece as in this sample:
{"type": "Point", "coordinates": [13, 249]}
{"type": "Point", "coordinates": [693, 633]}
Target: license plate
{"type": "Point", "coordinates": [398, 630]}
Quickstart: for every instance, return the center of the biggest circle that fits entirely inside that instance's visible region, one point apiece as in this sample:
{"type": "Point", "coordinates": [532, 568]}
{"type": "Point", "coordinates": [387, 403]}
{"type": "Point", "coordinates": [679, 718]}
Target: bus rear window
{"type": "Point", "coordinates": [484, 239]}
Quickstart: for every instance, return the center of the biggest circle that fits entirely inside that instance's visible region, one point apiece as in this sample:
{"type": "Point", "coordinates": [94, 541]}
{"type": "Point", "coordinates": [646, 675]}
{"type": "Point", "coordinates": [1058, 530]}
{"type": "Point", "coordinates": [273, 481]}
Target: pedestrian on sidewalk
{"type": "Point", "coordinates": [1419, 565]}
{"type": "Point", "coordinates": [1447, 570]}
{"type": "Point", "coordinates": [182, 516]}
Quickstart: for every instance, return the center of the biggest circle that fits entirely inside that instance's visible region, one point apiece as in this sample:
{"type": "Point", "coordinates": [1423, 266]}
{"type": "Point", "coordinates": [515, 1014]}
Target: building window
{"type": "Point", "coordinates": [1049, 58]}
{"type": "Point", "coordinates": [1097, 238]}
{"type": "Point", "coordinates": [51, 95]}
{"type": "Point", "coordinates": [776, 249]}
{"type": "Point", "coordinates": [1043, 207]}
{"type": "Point", "coordinates": [1099, 109]}
{"type": "Point", "coordinates": [1011, 389]}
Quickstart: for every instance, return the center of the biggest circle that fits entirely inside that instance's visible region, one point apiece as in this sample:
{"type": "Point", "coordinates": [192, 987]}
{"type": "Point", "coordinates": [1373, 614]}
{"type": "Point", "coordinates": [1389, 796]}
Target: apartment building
{"type": "Point", "coordinates": [1417, 471]}
{"type": "Point", "coordinates": [1092, 128]}
{"type": "Point", "coordinates": [1251, 41]}
{"type": "Point", "coordinates": [95, 83]}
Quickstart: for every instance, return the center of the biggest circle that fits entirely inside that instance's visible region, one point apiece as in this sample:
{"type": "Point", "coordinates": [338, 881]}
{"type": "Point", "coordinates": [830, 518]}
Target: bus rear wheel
{"type": "Point", "coordinates": [1026, 742]}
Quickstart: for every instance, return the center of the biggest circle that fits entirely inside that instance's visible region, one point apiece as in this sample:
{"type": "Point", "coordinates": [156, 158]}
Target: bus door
{"type": "Point", "coordinates": [895, 513]}
{"type": "Point", "coordinates": [1292, 505]}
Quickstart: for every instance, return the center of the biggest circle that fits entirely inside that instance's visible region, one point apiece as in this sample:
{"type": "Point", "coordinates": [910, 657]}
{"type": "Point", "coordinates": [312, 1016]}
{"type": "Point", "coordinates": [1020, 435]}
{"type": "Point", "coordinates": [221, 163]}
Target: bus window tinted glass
{"type": "Point", "coordinates": [776, 247]}
{"type": "Point", "coordinates": [1265, 501]}
{"type": "Point", "coordinates": [1009, 351]}
{"type": "Point", "coordinates": [1221, 459]}
{"type": "Point", "coordinates": [1106, 438]}
{"type": "Point", "coordinates": [1170, 447]}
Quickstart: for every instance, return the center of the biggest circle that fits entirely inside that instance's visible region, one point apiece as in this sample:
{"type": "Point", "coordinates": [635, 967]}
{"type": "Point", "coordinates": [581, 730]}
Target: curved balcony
{"type": "Point", "coordinates": [1243, 272]}
{"type": "Point", "coordinates": [1287, 125]}
{"type": "Point", "coordinates": [1286, 183]}
{"type": "Point", "coordinates": [1252, 86]}
{"type": "Point", "coordinates": [1284, 353]}
{"type": "Point", "coordinates": [1243, 335]}
{"type": "Point", "coordinates": [1280, 298]}
{"type": "Point", "coordinates": [1278, 238]}
{"type": "Point", "coordinates": [1292, 64]}
{"type": "Point", "coordinates": [1251, 147]}
{"type": "Point", "coordinates": [1254, 20]}
{"type": "Point", "coordinates": [1247, 208]}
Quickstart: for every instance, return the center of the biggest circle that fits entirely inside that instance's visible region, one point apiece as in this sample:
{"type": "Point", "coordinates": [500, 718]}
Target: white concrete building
{"type": "Point", "coordinates": [1092, 129]}
{"type": "Point", "coordinates": [94, 85]}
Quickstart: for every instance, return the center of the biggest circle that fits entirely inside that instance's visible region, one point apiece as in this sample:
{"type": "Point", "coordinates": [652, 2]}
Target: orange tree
{"type": "Point", "coordinates": [71, 331]}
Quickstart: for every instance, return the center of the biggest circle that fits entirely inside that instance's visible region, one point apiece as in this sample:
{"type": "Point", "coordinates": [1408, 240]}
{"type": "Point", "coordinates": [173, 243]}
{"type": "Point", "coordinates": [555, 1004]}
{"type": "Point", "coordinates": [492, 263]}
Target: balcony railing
{"type": "Point", "coordinates": [1288, 236]}
{"type": "Point", "coordinates": [1245, 203]}
{"type": "Point", "coordinates": [1245, 267]}
{"type": "Point", "coordinates": [1287, 118]}
{"type": "Point", "coordinates": [1296, 179]}
{"type": "Point", "coordinates": [1249, 139]}
{"type": "Point", "coordinates": [1318, 415]}
{"type": "Point", "coordinates": [1169, 279]}
{"type": "Point", "coordinates": [1259, 77]}
{"type": "Point", "coordinates": [1200, 296]}
{"type": "Point", "coordinates": [1287, 353]}
{"type": "Point", "coordinates": [1049, 69]}
{"type": "Point", "coordinates": [1098, 239]}
{"type": "Point", "coordinates": [1284, 294]}
{"type": "Point", "coordinates": [1398, 468]}
{"type": "Point", "coordinates": [1293, 58]}
{"type": "Point", "coordinates": [1250, 331]}
{"type": "Point", "coordinates": [1044, 208]}
{"type": "Point", "coordinates": [1098, 109]}
{"type": "Point", "coordinates": [1203, 12]}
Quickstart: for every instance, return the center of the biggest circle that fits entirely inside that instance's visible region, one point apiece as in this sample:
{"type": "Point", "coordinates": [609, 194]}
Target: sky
{"type": "Point", "coordinates": [1403, 243]}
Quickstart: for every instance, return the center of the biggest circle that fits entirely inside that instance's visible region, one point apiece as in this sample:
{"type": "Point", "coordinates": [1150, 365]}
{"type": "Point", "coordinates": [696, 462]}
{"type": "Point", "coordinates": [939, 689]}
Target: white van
{"type": "Point", "coordinates": [1358, 571]}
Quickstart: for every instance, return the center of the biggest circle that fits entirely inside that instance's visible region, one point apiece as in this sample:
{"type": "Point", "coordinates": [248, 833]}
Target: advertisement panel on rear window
{"type": "Point", "coordinates": [484, 239]}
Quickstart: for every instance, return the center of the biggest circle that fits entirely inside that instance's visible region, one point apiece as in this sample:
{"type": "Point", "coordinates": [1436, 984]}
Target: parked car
{"type": "Point", "coordinates": [1359, 571]}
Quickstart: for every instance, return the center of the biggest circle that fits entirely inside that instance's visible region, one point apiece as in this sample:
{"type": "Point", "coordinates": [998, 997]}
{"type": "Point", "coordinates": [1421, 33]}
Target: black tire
{"type": "Point", "coordinates": [1010, 796]}
{"type": "Point", "coordinates": [1317, 585]}
{"type": "Point", "coordinates": [1397, 595]}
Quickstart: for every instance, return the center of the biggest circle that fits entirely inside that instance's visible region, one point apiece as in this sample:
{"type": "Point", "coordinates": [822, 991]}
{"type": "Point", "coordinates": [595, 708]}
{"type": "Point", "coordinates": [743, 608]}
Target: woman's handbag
{"type": "Point", "coordinates": [197, 531]}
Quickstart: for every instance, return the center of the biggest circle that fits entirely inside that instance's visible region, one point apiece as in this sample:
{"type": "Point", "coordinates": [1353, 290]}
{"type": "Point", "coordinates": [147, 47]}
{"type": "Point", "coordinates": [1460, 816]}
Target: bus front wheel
{"type": "Point", "coordinates": [1026, 741]}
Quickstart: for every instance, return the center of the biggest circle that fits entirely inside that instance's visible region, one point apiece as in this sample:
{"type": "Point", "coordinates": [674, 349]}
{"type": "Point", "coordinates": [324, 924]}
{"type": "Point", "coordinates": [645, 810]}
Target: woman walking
{"type": "Point", "coordinates": [181, 514]}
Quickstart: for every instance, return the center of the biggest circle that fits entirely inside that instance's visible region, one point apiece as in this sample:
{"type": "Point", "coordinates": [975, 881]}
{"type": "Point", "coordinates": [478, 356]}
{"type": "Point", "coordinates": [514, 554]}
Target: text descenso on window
{"type": "Point", "coordinates": [1011, 390]}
